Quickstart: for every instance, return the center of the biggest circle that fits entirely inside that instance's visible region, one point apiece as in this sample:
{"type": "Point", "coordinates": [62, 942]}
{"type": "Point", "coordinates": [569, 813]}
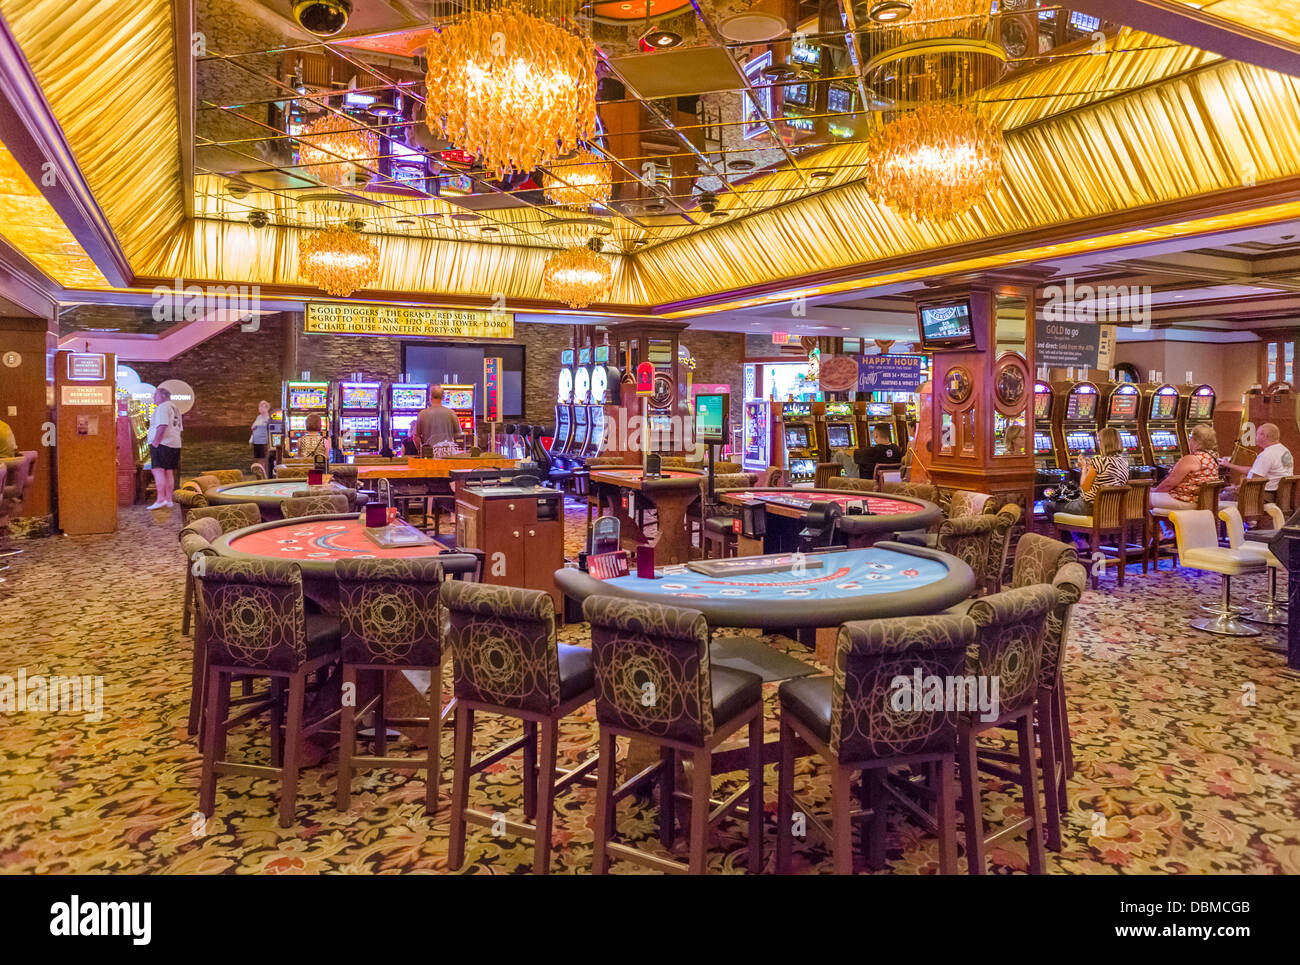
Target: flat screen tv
{"type": "Point", "coordinates": [946, 326]}
{"type": "Point", "coordinates": [712, 417]}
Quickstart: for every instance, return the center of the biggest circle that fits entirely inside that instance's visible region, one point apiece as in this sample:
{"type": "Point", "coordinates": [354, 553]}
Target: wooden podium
{"type": "Point", "coordinates": [85, 397]}
{"type": "Point", "coordinates": [981, 415]}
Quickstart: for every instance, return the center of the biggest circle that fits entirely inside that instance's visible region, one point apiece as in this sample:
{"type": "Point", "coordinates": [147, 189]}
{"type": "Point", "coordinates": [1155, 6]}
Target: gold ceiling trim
{"type": "Point", "coordinates": [108, 70]}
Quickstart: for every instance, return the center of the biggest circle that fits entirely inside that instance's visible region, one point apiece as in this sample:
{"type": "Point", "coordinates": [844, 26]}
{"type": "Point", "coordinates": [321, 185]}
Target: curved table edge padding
{"type": "Point", "coordinates": [927, 513]}
{"type": "Point", "coordinates": [452, 561]}
{"type": "Point", "coordinates": [800, 614]}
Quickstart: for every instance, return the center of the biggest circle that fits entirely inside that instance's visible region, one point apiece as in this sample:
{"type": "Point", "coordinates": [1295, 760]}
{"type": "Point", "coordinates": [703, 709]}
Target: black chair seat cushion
{"type": "Point", "coordinates": [322, 634]}
{"type": "Point", "coordinates": [734, 692]}
{"type": "Point", "coordinates": [576, 673]}
{"type": "Point", "coordinates": [720, 524]}
{"type": "Point", "coordinates": [809, 700]}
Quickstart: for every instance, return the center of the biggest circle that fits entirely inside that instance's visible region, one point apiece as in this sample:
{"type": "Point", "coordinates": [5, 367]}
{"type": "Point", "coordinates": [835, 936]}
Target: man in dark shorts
{"type": "Point", "coordinates": [164, 447]}
{"type": "Point", "coordinates": [435, 424]}
{"type": "Point", "coordinates": [882, 452]}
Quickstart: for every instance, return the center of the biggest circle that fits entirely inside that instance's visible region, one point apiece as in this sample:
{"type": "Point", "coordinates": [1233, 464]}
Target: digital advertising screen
{"type": "Point", "coordinates": [712, 417]}
{"type": "Point", "coordinates": [946, 324]}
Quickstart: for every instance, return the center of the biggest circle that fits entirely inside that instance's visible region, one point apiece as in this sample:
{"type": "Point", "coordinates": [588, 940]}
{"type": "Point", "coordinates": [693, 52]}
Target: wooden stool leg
{"type": "Point", "coordinates": [1048, 749]}
{"type": "Point", "coordinates": [218, 686]}
{"type": "Point", "coordinates": [1033, 803]}
{"type": "Point", "coordinates": [433, 770]}
{"type": "Point", "coordinates": [756, 793]}
{"type": "Point", "coordinates": [1123, 555]}
{"type": "Point", "coordinates": [530, 770]}
{"type": "Point", "coordinates": [604, 825]}
{"type": "Point", "coordinates": [841, 824]}
{"type": "Point", "coordinates": [874, 797]}
{"type": "Point", "coordinates": [347, 738]}
{"type": "Point", "coordinates": [292, 749]}
{"type": "Point", "coordinates": [667, 803]}
{"type": "Point", "coordinates": [701, 788]}
{"type": "Point", "coordinates": [970, 803]}
{"type": "Point", "coordinates": [463, 751]}
{"type": "Point", "coordinates": [198, 683]}
{"type": "Point", "coordinates": [785, 800]}
{"type": "Point", "coordinates": [947, 815]}
{"type": "Point", "coordinates": [277, 721]}
{"type": "Point", "coordinates": [188, 603]}
{"type": "Point", "coordinates": [1062, 731]}
{"type": "Point", "coordinates": [546, 797]}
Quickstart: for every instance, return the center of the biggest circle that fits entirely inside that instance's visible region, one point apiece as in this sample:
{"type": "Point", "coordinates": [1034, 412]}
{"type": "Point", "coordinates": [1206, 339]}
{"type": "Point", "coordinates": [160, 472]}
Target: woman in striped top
{"type": "Point", "coordinates": [1108, 469]}
{"type": "Point", "coordinates": [1180, 488]}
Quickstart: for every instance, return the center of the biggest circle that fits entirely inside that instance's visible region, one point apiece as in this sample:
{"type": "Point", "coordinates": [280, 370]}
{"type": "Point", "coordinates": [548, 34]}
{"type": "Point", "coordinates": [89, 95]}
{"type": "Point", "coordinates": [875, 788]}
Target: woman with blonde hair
{"type": "Point", "coordinates": [1180, 488]}
{"type": "Point", "coordinates": [1110, 468]}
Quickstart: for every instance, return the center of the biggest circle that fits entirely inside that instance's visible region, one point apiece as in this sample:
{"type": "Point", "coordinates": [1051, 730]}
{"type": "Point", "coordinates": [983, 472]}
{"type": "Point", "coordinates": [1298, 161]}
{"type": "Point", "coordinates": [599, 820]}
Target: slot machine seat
{"type": "Point", "coordinates": [1273, 611]}
{"type": "Point", "coordinates": [1197, 537]}
{"type": "Point", "coordinates": [1109, 518]}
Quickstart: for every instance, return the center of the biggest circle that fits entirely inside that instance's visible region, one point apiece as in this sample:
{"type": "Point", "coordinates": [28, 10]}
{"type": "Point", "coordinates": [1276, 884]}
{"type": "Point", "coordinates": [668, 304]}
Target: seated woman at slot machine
{"type": "Point", "coordinates": [1108, 469]}
{"type": "Point", "coordinates": [311, 443]}
{"type": "Point", "coordinates": [1179, 489]}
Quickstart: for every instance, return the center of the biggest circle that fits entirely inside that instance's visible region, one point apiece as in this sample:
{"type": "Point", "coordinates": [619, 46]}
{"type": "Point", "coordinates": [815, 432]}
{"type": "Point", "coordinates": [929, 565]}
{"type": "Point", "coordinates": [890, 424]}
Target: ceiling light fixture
{"type": "Point", "coordinates": [659, 40]}
{"type": "Point", "coordinates": [338, 260]}
{"type": "Point", "coordinates": [334, 147]}
{"type": "Point", "coordinates": [324, 18]}
{"type": "Point", "coordinates": [513, 88]}
{"type": "Point", "coordinates": [578, 181]}
{"type": "Point", "coordinates": [577, 276]}
{"type": "Point", "coordinates": [890, 11]}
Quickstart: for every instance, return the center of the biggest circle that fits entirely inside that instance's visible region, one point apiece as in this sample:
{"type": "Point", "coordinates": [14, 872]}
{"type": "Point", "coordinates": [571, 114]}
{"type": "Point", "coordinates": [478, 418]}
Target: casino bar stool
{"type": "Point", "coordinates": [506, 661]}
{"type": "Point", "coordinates": [849, 720]}
{"type": "Point", "coordinates": [715, 521]}
{"type": "Point", "coordinates": [1249, 501]}
{"type": "Point", "coordinates": [196, 543]}
{"type": "Point", "coordinates": [1273, 611]}
{"type": "Point", "coordinates": [964, 502]}
{"type": "Point", "coordinates": [1012, 626]}
{"type": "Point", "coordinates": [354, 499]}
{"type": "Point", "coordinates": [320, 505]}
{"type": "Point", "coordinates": [254, 624]}
{"type": "Point", "coordinates": [196, 537]}
{"type": "Point", "coordinates": [654, 682]}
{"type": "Point", "coordinates": [1285, 497]}
{"type": "Point", "coordinates": [1005, 520]}
{"type": "Point", "coordinates": [1107, 519]}
{"type": "Point", "coordinates": [1199, 549]}
{"type": "Point", "coordinates": [970, 539]}
{"type": "Point", "coordinates": [1207, 500]}
{"type": "Point", "coordinates": [389, 618]}
{"type": "Point", "coordinates": [231, 517]}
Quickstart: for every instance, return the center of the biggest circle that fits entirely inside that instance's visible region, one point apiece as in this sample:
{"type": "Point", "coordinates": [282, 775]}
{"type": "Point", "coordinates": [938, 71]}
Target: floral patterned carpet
{"type": "Point", "coordinates": [1186, 747]}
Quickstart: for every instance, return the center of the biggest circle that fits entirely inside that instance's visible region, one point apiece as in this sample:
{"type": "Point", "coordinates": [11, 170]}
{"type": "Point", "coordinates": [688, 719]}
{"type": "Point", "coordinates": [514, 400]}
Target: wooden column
{"type": "Point", "coordinates": [85, 392]}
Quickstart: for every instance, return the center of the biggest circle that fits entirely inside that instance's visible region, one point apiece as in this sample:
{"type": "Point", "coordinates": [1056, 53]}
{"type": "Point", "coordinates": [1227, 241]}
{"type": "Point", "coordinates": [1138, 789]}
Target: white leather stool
{"type": "Point", "coordinates": [1198, 548]}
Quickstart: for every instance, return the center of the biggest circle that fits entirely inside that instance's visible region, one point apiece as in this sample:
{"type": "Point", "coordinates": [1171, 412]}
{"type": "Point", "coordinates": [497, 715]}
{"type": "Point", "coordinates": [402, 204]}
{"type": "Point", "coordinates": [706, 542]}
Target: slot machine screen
{"type": "Point", "coordinates": [360, 423]}
{"type": "Point", "coordinates": [458, 398]}
{"type": "Point", "coordinates": [839, 437]}
{"type": "Point", "coordinates": [297, 423]}
{"type": "Point", "coordinates": [1200, 408]}
{"type": "Point", "coordinates": [1129, 440]}
{"type": "Point", "coordinates": [403, 423]}
{"type": "Point", "coordinates": [878, 410]}
{"type": "Point", "coordinates": [309, 397]}
{"type": "Point", "coordinates": [797, 94]}
{"type": "Point", "coordinates": [839, 410]}
{"type": "Point", "coordinates": [796, 437]}
{"type": "Point", "coordinates": [796, 409]}
{"type": "Point", "coordinates": [356, 396]}
{"type": "Point", "coordinates": [839, 100]}
{"type": "Point", "coordinates": [1164, 405]}
{"type": "Point", "coordinates": [1163, 440]}
{"type": "Point", "coordinates": [803, 467]}
{"type": "Point", "coordinates": [1042, 406]}
{"type": "Point", "coordinates": [1042, 444]}
{"type": "Point", "coordinates": [1123, 405]}
{"type": "Point", "coordinates": [1084, 442]}
{"type": "Point", "coordinates": [405, 397]}
{"type": "Point", "coordinates": [601, 355]}
{"type": "Point", "coordinates": [566, 356]}
{"type": "Point", "coordinates": [1081, 406]}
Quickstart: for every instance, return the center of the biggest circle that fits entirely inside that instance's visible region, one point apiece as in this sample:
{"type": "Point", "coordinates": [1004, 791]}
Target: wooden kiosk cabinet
{"type": "Point", "coordinates": [982, 338]}
{"type": "Point", "coordinates": [520, 530]}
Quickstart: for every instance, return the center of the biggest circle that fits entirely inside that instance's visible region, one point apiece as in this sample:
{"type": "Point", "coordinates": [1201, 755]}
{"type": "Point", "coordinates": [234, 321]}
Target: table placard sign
{"type": "Point", "coordinates": [608, 566]}
{"type": "Point", "coordinates": [605, 533]}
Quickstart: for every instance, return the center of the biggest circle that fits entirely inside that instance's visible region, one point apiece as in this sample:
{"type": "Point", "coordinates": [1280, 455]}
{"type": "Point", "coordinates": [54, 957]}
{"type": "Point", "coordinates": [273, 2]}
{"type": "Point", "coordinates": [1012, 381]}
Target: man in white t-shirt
{"type": "Point", "coordinates": [164, 447]}
{"type": "Point", "coordinates": [1273, 463]}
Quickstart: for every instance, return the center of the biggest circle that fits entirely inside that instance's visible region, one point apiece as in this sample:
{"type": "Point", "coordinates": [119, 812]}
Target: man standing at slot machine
{"type": "Point", "coordinates": [436, 424]}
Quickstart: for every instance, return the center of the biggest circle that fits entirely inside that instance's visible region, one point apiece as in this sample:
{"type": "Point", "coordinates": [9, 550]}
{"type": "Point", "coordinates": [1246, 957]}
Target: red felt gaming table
{"type": "Point", "coordinates": [266, 493]}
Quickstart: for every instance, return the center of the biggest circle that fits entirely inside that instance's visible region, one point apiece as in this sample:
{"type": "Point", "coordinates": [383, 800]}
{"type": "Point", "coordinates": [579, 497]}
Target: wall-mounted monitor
{"type": "Point", "coordinates": [946, 326]}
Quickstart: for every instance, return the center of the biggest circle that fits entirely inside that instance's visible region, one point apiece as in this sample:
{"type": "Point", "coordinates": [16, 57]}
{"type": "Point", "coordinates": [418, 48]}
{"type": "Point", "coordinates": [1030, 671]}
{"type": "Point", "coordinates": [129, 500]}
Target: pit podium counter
{"type": "Point", "coordinates": [519, 529]}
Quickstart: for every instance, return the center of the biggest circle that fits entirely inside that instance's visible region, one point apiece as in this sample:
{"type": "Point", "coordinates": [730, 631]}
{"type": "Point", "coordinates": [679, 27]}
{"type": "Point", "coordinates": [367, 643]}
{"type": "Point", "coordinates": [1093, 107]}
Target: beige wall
{"type": "Point", "coordinates": [1231, 367]}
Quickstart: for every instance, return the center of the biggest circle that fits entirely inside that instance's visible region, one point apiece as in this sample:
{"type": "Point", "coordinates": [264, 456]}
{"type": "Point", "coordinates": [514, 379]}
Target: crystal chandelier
{"type": "Point", "coordinates": [577, 276]}
{"type": "Point", "coordinates": [511, 87]}
{"type": "Point", "coordinates": [936, 162]}
{"type": "Point", "coordinates": [338, 260]}
{"type": "Point", "coordinates": [578, 181]}
{"type": "Point", "coordinates": [335, 147]}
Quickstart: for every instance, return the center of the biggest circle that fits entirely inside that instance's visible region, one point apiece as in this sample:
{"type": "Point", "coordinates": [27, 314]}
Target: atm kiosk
{"type": "Point", "coordinates": [799, 458]}
{"type": "Point", "coordinates": [302, 399]}
{"type": "Point", "coordinates": [1075, 422]}
{"type": "Point", "coordinates": [563, 410]}
{"type": "Point", "coordinates": [1158, 426]}
{"type": "Point", "coordinates": [1197, 407]}
{"type": "Point", "coordinates": [357, 417]}
{"type": "Point", "coordinates": [405, 400]}
{"type": "Point", "coordinates": [460, 399]}
{"type": "Point", "coordinates": [581, 406]}
{"type": "Point", "coordinates": [1121, 403]}
{"type": "Point", "coordinates": [837, 433]}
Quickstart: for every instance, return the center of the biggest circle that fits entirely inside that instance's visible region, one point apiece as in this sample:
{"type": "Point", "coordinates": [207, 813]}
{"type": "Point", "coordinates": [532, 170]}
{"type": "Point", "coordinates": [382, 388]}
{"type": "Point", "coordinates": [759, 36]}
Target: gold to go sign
{"type": "Point", "coordinates": [364, 318]}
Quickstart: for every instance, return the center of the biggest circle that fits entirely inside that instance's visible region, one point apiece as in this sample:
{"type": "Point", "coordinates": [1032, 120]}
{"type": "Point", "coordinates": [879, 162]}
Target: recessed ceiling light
{"type": "Point", "coordinates": [466, 216]}
{"type": "Point", "coordinates": [741, 164]}
{"type": "Point", "coordinates": [821, 175]}
{"type": "Point", "coordinates": [718, 214]}
{"type": "Point", "coordinates": [890, 11]}
{"type": "Point", "coordinates": [405, 222]}
{"type": "Point", "coordinates": [489, 229]}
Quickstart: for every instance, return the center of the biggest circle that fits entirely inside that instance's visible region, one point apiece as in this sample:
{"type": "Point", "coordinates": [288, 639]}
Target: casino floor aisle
{"type": "Point", "coordinates": [1174, 772]}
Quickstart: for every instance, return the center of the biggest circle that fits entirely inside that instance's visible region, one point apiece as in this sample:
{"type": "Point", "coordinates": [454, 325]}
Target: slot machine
{"type": "Point", "coordinates": [1158, 426]}
{"type": "Point", "coordinates": [357, 412]}
{"type": "Point", "coordinates": [563, 410]}
{"type": "Point", "coordinates": [405, 400]}
{"type": "Point", "coordinates": [1196, 407]}
{"type": "Point", "coordinates": [302, 399]}
{"type": "Point", "coordinates": [581, 405]}
{"type": "Point", "coordinates": [837, 434]}
{"type": "Point", "coordinates": [872, 414]}
{"type": "Point", "coordinates": [275, 431]}
{"type": "Point", "coordinates": [601, 378]}
{"type": "Point", "coordinates": [1075, 422]}
{"type": "Point", "coordinates": [799, 457]}
{"type": "Point", "coordinates": [1120, 402]}
{"type": "Point", "coordinates": [1050, 474]}
{"type": "Point", "coordinates": [460, 399]}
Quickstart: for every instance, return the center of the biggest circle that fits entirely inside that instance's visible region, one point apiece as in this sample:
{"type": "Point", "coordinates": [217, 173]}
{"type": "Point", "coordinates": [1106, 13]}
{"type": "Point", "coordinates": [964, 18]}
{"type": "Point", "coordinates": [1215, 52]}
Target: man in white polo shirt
{"type": "Point", "coordinates": [1273, 463]}
{"type": "Point", "coordinates": [164, 447]}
